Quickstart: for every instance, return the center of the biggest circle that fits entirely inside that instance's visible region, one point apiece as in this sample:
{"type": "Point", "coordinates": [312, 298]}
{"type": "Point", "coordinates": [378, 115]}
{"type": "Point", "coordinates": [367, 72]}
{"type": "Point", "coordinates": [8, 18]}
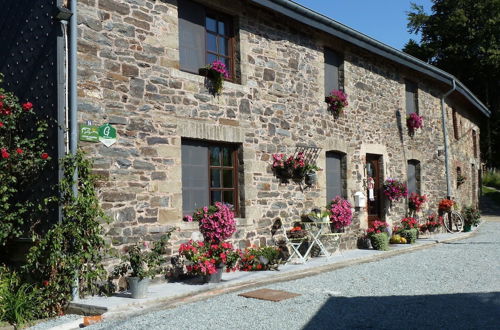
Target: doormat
{"type": "Point", "coordinates": [268, 294]}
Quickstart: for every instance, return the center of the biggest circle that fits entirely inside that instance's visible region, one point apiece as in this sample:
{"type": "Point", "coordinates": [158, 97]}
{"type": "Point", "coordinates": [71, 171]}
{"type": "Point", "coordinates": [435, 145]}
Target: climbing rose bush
{"type": "Point", "coordinates": [216, 222]}
{"type": "Point", "coordinates": [340, 212]}
{"type": "Point", "coordinates": [395, 190]}
{"type": "Point", "coordinates": [23, 156]}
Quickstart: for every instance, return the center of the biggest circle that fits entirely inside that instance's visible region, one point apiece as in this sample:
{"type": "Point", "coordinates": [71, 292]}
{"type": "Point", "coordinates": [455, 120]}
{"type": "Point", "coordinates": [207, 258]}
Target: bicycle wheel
{"type": "Point", "coordinates": [453, 222]}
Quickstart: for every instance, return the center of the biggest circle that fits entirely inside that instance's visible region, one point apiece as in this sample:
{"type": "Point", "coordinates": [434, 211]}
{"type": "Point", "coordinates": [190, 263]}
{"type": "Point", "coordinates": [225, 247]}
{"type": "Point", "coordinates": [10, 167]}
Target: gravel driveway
{"type": "Point", "coordinates": [450, 286]}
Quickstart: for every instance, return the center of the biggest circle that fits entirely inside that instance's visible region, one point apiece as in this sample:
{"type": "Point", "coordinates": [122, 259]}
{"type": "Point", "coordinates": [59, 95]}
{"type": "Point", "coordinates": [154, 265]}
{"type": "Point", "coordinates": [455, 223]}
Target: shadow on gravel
{"type": "Point", "coordinates": [452, 311]}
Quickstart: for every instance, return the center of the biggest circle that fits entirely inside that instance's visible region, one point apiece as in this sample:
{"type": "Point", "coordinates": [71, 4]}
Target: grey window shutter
{"type": "Point", "coordinates": [332, 64]}
{"type": "Point", "coordinates": [191, 36]}
{"type": "Point", "coordinates": [194, 159]}
{"type": "Point", "coordinates": [334, 177]}
{"type": "Point", "coordinates": [412, 177]}
{"type": "Point", "coordinates": [411, 97]}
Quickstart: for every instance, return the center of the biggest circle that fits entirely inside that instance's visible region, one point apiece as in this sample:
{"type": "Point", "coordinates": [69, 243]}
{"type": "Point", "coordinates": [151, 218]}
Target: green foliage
{"type": "Point", "coordinates": [142, 263]}
{"type": "Point", "coordinates": [18, 302]}
{"type": "Point", "coordinates": [73, 248]}
{"type": "Point", "coordinates": [409, 234]}
{"type": "Point", "coordinates": [492, 179]}
{"type": "Point", "coordinates": [461, 37]}
{"type": "Point", "coordinates": [471, 215]}
{"type": "Point", "coordinates": [23, 141]}
{"type": "Point", "coordinates": [259, 258]}
{"type": "Point", "coordinates": [492, 194]}
{"type": "Point", "coordinates": [380, 241]}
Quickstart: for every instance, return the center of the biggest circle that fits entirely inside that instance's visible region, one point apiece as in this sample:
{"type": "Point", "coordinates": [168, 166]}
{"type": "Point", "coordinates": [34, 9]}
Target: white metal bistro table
{"type": "Point", "coordinates": [317, 230]}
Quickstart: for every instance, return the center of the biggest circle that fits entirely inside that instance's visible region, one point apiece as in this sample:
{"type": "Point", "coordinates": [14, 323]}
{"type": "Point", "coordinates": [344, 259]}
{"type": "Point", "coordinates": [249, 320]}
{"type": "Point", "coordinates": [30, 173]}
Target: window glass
{"type": "Point", "coordinates": [215, 178]}
{"type": "Point", "coordinates": [211, 24]}
{"type": "Point", "coordinates": [211, 42]}
{"type": "Point", "coordinates": [227, 178]}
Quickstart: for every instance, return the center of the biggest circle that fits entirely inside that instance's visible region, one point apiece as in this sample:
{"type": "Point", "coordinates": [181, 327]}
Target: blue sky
{"type": "Point", "coordinates": [383, 20]}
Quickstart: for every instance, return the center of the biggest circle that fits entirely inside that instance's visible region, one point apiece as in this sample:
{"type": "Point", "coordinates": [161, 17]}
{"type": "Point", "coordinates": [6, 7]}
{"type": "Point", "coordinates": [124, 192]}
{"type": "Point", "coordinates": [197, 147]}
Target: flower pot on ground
{"type": "Point", "coordinates": [467, 227]}
{"type": "Point", "coordinates": [205, 258]}
{"type": "Point", "coordinates": [215, 277]}
{"type": "Point", "coordinates": [433, 222]}
{"type": "Point", "coordinates": [378, 236]}
{"type": "Point", "coordinates": [259, 258]}
{"type": "Point", "coordinates": [138, 287]}
{"type": "Point", "coordinates": [409, 234]}
{"type": "Point", "coordinates": [364, 243]}
{"type": "Point", "coordinates": [471, 216]}
{"type": "Point", "coordinates": [380, 241]}
{"type": "Point", "coordinates": [141, 264]}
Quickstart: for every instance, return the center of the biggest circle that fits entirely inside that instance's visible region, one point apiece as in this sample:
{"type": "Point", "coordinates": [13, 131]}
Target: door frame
{"type": "Point", "coordinates": [377, 162]}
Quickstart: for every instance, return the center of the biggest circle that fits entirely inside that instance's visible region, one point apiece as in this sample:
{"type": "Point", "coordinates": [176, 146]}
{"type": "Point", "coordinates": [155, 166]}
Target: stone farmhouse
{"type": "Point", "coordinates": [179, 147]}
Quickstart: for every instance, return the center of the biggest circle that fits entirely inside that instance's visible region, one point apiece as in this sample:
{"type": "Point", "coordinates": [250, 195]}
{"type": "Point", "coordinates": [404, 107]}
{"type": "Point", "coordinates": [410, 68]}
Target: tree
{"type": "Point", "coordinates": [462, 37]}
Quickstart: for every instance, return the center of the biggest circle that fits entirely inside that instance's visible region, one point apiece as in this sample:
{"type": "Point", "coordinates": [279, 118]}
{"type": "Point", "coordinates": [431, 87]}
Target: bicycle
{"type": "Point", "coordinates": [453, 221]}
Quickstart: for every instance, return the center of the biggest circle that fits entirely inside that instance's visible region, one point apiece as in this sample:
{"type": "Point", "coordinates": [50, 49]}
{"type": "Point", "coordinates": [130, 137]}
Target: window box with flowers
{"type": "Point", "coordinates": [337, 101]}
{"type": "Point", "coordinates": [294, 167]}
{"type": "Point", "coordinates": [216, 72]}
{"type": "Point", "coordinates": [414, 122]}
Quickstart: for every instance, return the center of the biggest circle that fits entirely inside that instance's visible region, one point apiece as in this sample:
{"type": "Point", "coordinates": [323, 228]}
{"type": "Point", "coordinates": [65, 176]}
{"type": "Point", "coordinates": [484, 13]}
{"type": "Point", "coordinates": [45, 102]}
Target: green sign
{"type": "Point", "coordinates": [89, 133]}
{"type": "Point", "coordinates": [107, 134]}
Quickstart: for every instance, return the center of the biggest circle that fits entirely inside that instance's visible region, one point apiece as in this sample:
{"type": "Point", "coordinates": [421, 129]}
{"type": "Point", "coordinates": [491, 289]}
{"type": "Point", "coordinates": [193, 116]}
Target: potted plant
{"type": "Point", "coordinates": [433, 222]}
{"type": "Point", "coordinates": [216, 223]}
{"type": "Point", "coordinates": [394, 190]}
{"type": "Point", "coordinates": [297, 232]}
{"type": "Point", "coordinates": [378, 235]}
{"type": "Point", "coordinates": [216, 72]}
{"type": "Point", "coordinates": [340, 213]}
{"type": "Point", "coordinates": [408, 229]}
{"type": "Point", "coordinates": [310, 174]}
{"type": "Point", "coordinates": [337, 101]}
{"type": "Point", "coordinates": [282, 166]}
{"type": "Point", "coordinates": [414, 122]}
{"type": "Point", "coordinates": [259, 258]}
{"type": "Point", "coordinates": [415, 203]}
{"type": "Point", "coordinates": [209, 259]}
{"type": "Point", "coordinates": [472, 217]}
{"type": "Point", "coordinates": [141, 265]}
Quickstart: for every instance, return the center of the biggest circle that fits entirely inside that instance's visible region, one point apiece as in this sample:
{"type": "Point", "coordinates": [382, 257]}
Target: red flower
{"type": "Point", "coordinates": [45, 283]}
{"type": "Point", "coordinates": [259, 266]}
{"type": "Point", "coordinates": [19, 151]}
{"type": "Point", "coordinates": [27, 106]}
{"type": "Point", "coordinates": [44, 155]}
{"type": "Point", "coordinates": [1, 124]}
{"type": "Point", "coordinates": [5, 154]}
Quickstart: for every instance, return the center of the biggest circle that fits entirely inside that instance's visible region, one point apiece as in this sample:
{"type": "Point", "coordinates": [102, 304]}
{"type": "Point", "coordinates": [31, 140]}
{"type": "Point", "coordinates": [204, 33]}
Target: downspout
{"type": "Point", "coordinates": [445, 134]}
{"type": "Point", "coordinates": [73, 120]}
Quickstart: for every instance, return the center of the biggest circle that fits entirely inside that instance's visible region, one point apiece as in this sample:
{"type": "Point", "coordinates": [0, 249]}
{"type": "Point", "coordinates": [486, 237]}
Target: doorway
{"type": "Point", "coordinates": [374, 181]}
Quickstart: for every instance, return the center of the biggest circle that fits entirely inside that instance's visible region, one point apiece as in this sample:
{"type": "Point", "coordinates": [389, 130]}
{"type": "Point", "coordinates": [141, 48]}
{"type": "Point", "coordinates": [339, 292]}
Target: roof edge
{"type": "Point", "coordinates": [341, 31]}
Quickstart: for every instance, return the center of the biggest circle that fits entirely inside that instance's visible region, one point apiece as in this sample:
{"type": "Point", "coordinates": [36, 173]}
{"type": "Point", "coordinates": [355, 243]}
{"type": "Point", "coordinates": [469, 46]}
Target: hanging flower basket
{"type": "Point", "coordinates": [337, 101]}
{"type": "Point", "coordinates": [414, 122]}
{"type": "Point", "coordinates": [216, 72]}
{"type": "Point", "coordinates": [394, 190]}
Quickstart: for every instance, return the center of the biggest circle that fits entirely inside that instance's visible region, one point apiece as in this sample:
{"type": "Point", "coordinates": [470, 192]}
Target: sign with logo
{"type": "Point", "coordinates": [107, 134]}
{"type": "Point", "coordinates": [89, 133]}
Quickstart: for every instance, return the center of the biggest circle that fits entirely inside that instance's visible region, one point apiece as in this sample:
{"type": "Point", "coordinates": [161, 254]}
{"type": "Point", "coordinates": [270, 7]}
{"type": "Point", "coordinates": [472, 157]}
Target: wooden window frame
{"type": "Point", "coordinates": [234, 168]}
{"type": "Point", "coordinates": [229, 22]}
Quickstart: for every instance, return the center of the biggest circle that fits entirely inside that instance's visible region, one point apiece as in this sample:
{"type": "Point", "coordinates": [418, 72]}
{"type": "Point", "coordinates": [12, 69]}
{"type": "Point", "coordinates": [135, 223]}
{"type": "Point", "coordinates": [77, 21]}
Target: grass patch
{"type": "Point", "coordinates": [492, 179]}
{"type": "Point", "coordinates": [492, 194]}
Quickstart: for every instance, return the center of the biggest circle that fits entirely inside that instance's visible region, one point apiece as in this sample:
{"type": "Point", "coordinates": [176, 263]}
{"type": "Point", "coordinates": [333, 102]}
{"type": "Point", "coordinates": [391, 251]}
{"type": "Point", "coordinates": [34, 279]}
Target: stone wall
{"type": "Point", "coordinates": [129, 77]}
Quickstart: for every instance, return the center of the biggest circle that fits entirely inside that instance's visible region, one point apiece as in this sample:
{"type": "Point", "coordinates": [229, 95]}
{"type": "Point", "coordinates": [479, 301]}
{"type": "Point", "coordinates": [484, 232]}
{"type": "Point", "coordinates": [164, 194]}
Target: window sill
{"type": "Point", "coordinates": [194, 77]}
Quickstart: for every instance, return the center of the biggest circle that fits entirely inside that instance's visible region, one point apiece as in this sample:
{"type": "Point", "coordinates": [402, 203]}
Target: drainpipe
{"type": "Point", "coordinates": [445, 134]}
{"type": "Point", "coordinates": [73, 140]}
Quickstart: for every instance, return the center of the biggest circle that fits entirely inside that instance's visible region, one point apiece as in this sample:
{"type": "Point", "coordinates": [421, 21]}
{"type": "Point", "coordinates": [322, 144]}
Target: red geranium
{"type": "Point", "coordinates": [5, 154]}
{"type": "Point", "coordinates": [27, 106]}
{"type": "Point", "coordinates": [44, 155]}
{"type": "Point", "coordinates": [19, 151]}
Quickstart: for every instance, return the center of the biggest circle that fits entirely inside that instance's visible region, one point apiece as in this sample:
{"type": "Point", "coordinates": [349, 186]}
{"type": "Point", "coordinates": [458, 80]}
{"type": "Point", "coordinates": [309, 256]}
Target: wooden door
{"type": "Point", "coordinates": [373, 171]}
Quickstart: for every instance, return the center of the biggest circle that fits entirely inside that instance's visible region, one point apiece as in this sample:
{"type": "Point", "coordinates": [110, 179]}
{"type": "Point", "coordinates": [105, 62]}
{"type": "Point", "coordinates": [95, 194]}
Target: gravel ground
{"type": "Point", "coordinates": [450, 286]}
{"type": "Point", "coordinates": [57, 321]}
